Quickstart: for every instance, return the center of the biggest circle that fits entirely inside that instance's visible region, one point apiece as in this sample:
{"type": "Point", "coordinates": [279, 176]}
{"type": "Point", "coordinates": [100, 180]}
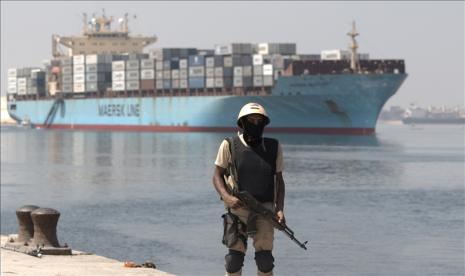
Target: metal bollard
{"type": "Point", "coordinates": [26, 228]}
{"type": "Point", "coordinates": [45, 227]}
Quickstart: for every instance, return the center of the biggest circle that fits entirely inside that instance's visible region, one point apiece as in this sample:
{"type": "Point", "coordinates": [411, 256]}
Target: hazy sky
{"type": "Point", "coordinates": [428, 35]}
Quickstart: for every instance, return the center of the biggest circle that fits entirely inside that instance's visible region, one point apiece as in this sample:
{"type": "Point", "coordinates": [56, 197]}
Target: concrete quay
{"type": "Point", "coordinates": [79, 263]}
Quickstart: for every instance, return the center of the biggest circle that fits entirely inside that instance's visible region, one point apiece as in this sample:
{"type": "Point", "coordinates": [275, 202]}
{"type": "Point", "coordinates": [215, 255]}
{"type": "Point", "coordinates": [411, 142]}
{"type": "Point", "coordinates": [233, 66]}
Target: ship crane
{"type": "Point", "coordinates": [354, 61]}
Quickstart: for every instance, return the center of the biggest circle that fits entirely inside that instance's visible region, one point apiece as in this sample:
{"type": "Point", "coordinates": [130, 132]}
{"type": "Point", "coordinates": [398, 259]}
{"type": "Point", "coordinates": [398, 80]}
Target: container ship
{"type": "Point", "coordinates": [104, 80]}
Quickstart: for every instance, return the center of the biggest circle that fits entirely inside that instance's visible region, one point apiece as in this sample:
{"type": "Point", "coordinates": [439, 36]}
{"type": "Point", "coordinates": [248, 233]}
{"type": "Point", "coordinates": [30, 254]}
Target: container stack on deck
{"type": "Point", "coordinates": [244, 66]}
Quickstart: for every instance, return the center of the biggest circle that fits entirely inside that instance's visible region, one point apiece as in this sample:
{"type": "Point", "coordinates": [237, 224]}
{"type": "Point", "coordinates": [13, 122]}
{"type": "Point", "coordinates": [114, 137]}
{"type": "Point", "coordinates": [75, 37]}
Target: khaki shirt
{"type": "Point", "coordinates": [223, 157]}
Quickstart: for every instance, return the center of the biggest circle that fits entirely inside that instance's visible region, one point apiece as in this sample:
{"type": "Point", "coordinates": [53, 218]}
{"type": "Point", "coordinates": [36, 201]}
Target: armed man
{"type": "Point", "coordinates": [253, 164]}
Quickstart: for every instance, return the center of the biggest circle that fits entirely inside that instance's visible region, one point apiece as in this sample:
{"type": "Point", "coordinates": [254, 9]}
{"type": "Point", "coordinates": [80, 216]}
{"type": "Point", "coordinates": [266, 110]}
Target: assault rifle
{"type": "Point", "coordinates": [254, 206]}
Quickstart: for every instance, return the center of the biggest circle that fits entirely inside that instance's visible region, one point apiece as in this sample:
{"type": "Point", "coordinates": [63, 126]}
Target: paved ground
{"type": "Point", "coordinates": [14, 263]}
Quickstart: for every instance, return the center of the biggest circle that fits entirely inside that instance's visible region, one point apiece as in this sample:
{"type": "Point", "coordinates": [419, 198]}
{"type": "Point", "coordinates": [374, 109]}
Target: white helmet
{"type": "Point", "coordinates": [252, 108]}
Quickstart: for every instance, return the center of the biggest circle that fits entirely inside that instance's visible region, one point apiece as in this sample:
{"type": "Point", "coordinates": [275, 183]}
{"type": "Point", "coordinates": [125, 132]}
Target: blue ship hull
{"type": "Point", "coordinates": [339, 104]}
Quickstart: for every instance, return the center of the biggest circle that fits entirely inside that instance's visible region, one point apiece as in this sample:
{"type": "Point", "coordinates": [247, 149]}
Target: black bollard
{"type": "Point", "coordinates": [45, 227]}
{"type": "Point", "coordinates": [26, 228]}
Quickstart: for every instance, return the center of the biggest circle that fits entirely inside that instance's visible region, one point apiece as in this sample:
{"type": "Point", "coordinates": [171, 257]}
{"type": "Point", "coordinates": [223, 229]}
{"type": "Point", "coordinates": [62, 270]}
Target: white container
{"type": "Point", "coordinates": [267, 80]}
{"type": "Point", "coordinates": [258, 70]}
{"type": "Point", "coordinates": [132, 65]}
{"type": "Point", "coordinates": [335, 54]}
{"type": "Point", "coordinates": [175, 74]}
{"type": "Point", "coordinates": [183, 64]}
{"type": "Point", "coordinates": [147, 74]}
{"type": "Point", "coordinates": [11, 81]}
{"type": "Point", "coordinates": [119, 65]}
{"type": "Point", "coordinates": [197, 71]}
{"type": "Point", "coordinates": [67, 78]}
{"type": "Point", "coordinates": [79, 78]}
{"type": "Point", "coordinates": [183, 74]}
{"type": "Point", "coordinates": [12, 73]}
{"type": "Point", "coordinates": [210, 72]}
{"type": "Point", "coordinates": [183, 83]}
{"type": "Point", "coordinates": [79, 87]}
{"type": "Point", "coordinates": [21, 81]}
{"type": "Point", "coordinates": [262, 49]}
{"type": "Point", "coordinates": [210, 82]}
{"type": "Point", "coordinates": [238, 82]}
{"type": "Point", "coordinates": [118, 75]}
{"type": "Point", "coordinates": [238, 71]}
{"type": "Point", "coordinates": [159, 65]}
{"type": "Point", "coordinates": [118, 85]}
{"type": "Point", "coordinates": [166, 74]}
{"type": "Point", "coordinates": [94, 59]}
{"type": "Point", "coordinates": [158, 75]}
{"type": "Point", "coordinates": [218, 71]}
{"type": "Point", "coordinates": [12, 90]}
{"type": "Point", "coordinates": [227, 61]}
{"type": "Point", "coordinates": [219, 82]}
{"type": "Point", "coordinates": [210, 62]}
{"type": "Point", "coordinates": [79, 59]}
{"type": "Point", "coordinates": [257, 60]}
{"type": "Point", "coordinates": [268, 70]}
{"type": "Point", "coordinates": [79, 69]}
{"type": "Point", "coordinates": [147, 64]}
{"type": "Point", "coordinates": [132, 85]}
{"type": "Point", "coordinates": [159, 84]}
{"type": "Point", "coordinates": [22, 90]}
{"type": "Point", "coordinates": [258, 81]}
{"type": "Point", "coordinates": [132, 75]}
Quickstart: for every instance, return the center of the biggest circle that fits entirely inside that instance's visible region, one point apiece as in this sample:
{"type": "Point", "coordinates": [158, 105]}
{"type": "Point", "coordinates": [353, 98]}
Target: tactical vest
{"type": "Point", "coordinates": [255, 167]}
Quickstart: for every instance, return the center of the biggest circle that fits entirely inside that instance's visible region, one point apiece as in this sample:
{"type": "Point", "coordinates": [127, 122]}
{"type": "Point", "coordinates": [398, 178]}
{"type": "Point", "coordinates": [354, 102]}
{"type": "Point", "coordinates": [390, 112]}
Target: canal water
{"type": "Point", "coordinates": [389, 204]}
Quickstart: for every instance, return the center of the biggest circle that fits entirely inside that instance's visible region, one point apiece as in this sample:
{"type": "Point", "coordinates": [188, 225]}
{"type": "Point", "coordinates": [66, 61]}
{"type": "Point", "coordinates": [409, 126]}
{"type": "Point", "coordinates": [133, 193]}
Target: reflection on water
{"type": "Point", "coordinates": [389, 204]}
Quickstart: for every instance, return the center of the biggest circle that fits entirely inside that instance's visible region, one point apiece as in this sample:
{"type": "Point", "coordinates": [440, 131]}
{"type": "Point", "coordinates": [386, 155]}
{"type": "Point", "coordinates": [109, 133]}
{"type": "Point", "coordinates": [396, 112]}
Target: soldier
{"type": "Point", "coordinates": [258, 164]}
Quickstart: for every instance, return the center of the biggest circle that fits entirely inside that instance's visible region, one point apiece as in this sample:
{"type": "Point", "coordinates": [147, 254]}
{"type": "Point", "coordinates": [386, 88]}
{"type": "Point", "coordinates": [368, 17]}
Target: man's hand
{"type": "Point", "coordinates": [232, 202]}
{"type": "Point", "coordinates": [280, 217]}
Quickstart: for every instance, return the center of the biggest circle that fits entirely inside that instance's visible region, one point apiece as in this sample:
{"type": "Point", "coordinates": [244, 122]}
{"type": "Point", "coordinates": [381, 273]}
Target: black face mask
{"type": "Point", "coordinates": [252, 133]}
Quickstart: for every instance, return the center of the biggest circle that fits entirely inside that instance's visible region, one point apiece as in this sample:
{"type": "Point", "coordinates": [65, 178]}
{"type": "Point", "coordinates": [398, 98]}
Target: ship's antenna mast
{"type": "Point", "coordinates": [354, 62]}
{"type": "Point", "coordinates": [84, 18]}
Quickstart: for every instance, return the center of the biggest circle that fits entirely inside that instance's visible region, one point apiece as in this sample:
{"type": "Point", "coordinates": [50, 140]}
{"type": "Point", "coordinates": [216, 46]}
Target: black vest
{"type": "Point", "coordinates": [256, 168]}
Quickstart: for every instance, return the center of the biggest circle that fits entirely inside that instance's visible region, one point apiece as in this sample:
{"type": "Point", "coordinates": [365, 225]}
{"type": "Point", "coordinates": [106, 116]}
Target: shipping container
{"type": "Point", "coordinates": [95, 77]}
{"type": "Point", "coordinates": [79, 78]}
{"type": "Point", "coordinates": [247, 81]}
{"type": "Point", "coordinates": [66, 61]}
{"type": "Point", "coordinates": [147, 64]}
{"type": "Point", "coordinates": [67, 78]}
{"type": "Point", "coordinates": [118, 65]}
{"type": "Point", "coordinates": [159, 84]}
{"type": "Point", "coordinates": [95, 59]}
{"type": "Point", "coordinates": [67, 88]}
{"type": "Point", "coordinates": [210, 72]}
{"type": "Point", "coordinates": [247, 71]}
{"type": "Point", "coordinates": [97, 68]}
{"type": "Point", "coordinates": [175, 74]}
{"type": "Point", "coordinates": [147, 74]}
{"type": "Point", "coordinates": [79, 59]}
{"type": "Point", "coordinates": [132, 65]}
{"type": "Point", "coordinates": [210, 82]}
{"type": "Point", "coordinates": [12, 72]}
{"type": "Point", "coordinates": [12, 90]}
{"type": "Point", "coordinates": [277, 48]}
{"type": "Point", "coordinates": [67, 70]}
{"type": "Point", "coordinates": [147, 84]}
{"type": "Point", "coordinates": [175, 84]}
{"type": "Point", "coordinates": [183, 74]}
{"type": "Point", "coordinates": [268, 70]}
{"type": "Point", "coordinates": [210, 61]}
{"type": "Point", "coordinates": [218, 71]}
{"type": "Point", "coordinates": [198, 71]}
{"type": "Point", "coordinates": [174, 64]}
{"type": "Point", "coordinates": [218, 61]}
{"type": "Point", "coordinates": [22, 90]}
{"type": "Point", "coordinates": [132, 85]}
{"type": "Point", "coordinates": [183, 64]}
{"type": "Point", "coordinates": [79, 87]}
{"type": "Point", "coordinates": [159, 75]}
{"type": "Point", "coordinates": [196, 82]}
{"type": "Point", "coordinates": [79, 69]}
{"type": "Point", "coordinates": [228, 72]}
{"type": "Point", "coordinates": [237, 82]}
{"type": "Point", "coordinates": [228, 61]}
{"type": "Point", "coordinates": [257, 60]}
{"type": "Point", "coordinates": [218, 82]}
{"type": "Point", "coordinates": [166, 84]}
{"type": "Point", "coordinates": [118, 85]}
{"type": "Point", "coordinates": [238, 71]}
{"type": "Point", "coordinates": [118, 75]}
{"type": "Point", "coordinates": [166, 74]}
{"type": "Point", "coordinates": [183, 83]}
{"type": "Point", "coordinates": [257, 81]}
{"type": "Point", "coordinates": [132, 75]}
{"type": "Point", "coordinates": [267, 80]}
{"type": "Point", "coordinates": [167, 65]}
{"type": "Point", "coordinates": [233, 48]}
{"type": "Point", "coordinates": [196, 60]}
{"type": "Point", "coordinates": [159, 65]}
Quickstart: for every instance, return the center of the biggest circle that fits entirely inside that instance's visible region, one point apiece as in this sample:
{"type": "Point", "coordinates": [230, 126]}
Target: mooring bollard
{"type": "Point", "coordinates": [45, 227]}
{"type": "Point", "coordinates": [26, 228]}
